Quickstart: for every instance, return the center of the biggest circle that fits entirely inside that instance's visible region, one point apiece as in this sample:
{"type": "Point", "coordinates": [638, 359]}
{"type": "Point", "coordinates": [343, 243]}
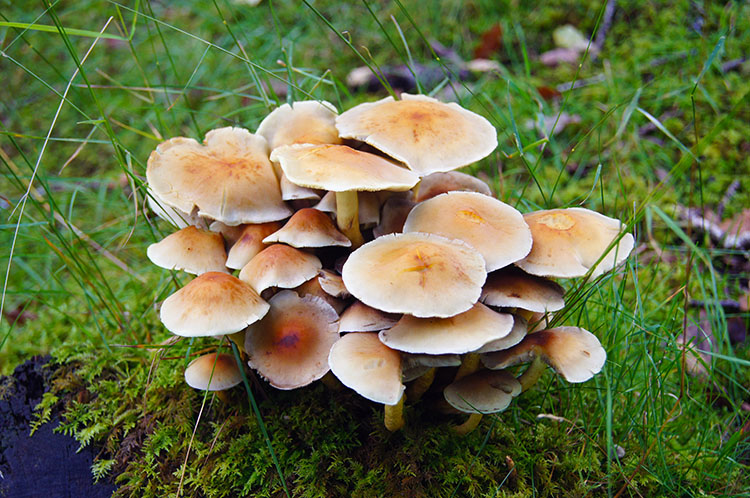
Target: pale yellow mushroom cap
{"type": "Point", "coordinates": [427, 135]}
{"type": "Point", "coordinates": [309, 227]}
{"type": "Point", "coordinates": [458, 334]}
{"type": "Point", "coordinates": [249, 243]}
{"type": "Point", "coordinates": [362, 363]}
{"type": "Point", "coordinates": [573, 352]}
{"type": "Point", "coordinates": [191, 249]}
{"type": "Point", "coordinates": [289, 347]}
{"type": "Point", "coordinates": [339, 168]}
{"type": "Point", "coordinates": [305, 122]}
{"type": "Point", "coordinates": [450, 181]}
{"type": "Point", "coordinates": [229, 177]}
{"type": "Point", "coordinates": [513, 288]}
{"type": "Point", "coordinates": [212, 304]}
{"type": "Point", "coordinates": [280, 265]}
{"type": "Point", "coordinates": [568, 242]}
{"type": "Point", "coordinates": [218, 368]}
{"type": "Point", "coordinates": [516, 335]}
{"type": "Point", "coordinates": [421, 274]}
{"type": "Point", "coordinates": [484, 391]}
{"type": "Point", "coordinates": [495, 229]}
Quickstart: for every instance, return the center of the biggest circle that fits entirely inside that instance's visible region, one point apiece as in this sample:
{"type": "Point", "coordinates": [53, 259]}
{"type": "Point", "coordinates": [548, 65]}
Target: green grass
{"type": "Point", "coordinates": [655, 101]}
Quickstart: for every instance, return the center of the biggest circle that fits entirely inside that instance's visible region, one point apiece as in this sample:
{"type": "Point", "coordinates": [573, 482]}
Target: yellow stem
{"type": "Point", "coordinates": [331, 382]}
{"type": "Point", "coordinates": [394, 415]}
{"type": "Point", "coordinates": [471, 423]}
{"type": "Point", "coordinates": [469, 365]}
{"type": "Point", "coordinates": [347, 216]}
{"type": "Point", "coordinates": [421, 385]}
{"type": "Point", "coordinates": [532, 374]}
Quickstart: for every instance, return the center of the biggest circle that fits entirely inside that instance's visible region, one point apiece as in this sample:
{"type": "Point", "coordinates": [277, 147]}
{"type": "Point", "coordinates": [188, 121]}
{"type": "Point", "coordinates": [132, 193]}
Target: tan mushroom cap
{"type": "Point", "coordinates": [304, 122]}
{"type": "Point", "coordinates": [427, 135]}
{"type": "Point", "coordinates": [332, 283]}
{"type": "Point", "coordinates": [212, 304]}
{"type": "Point", "coordinates": [362, 318]}
{"type": "Point", "coordinates": [458, 334]}
{"type": "Point", "coordinates": [568, 242]}
{"type": "Point", "coordinates": [309, 227]}
{"type": "Point", "coordinates": [173, 216]}
{"type": "Point", "coordinates": [484, 391]}
{"type": "Point", "coordinates": [213, 372]}
{"type": "Point", "coordinates": [280, 265]}
{"type": "Point", "coordinates": [191, 249]}
{"type": "Point", "coordinates": [313, 288]}
{"type": "Point", "coordinates": [229, 178]}
{"type": "Point", "coordinates": [573, 352]}
{"type": "Point", "coordinates": [421, 274]}
{"type": "Point", "coordinates": [492, 227]}
{"type": "Point", "coordinates": [393, 216]}
{"type": "Point", "coordinates": [339, 168]}
{"type": "Point", "coordinates": [249, 243]}
{"type": "Point", "coordinates": [513, 288]}
{"type": "Point", "coordinates": [231, 233]}
{"type": "Point", "coordinates": [289, 347]}
{"type": "Point", "coordinates": [516, 335]}
{"type": "Point", "coordinates": [362, 363]}
{"type": "Point", "coordinates": [450, 181]}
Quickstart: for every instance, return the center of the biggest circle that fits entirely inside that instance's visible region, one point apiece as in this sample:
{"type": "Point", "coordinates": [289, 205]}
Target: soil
{"type": "Point", "coordinates": [47, 464]}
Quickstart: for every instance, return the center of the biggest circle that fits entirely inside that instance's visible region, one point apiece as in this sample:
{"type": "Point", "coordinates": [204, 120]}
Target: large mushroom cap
{"type": "Point", "coordinates": [513, 288]}
{"type": "Point", "coordinates": [484, 391]}
{"type": "Point", "coordinates": [191, 249]}
{"type": "Point", "coordinates": [426, 134]}
{"type": "Point", "coordinates": [421, 274]}
{"type": "Point", "coordinates": [212, 304]}
{"type": "Point", "coordinates": [213, 372]}
{"type": "Point", "coordinates": [339, 168]}
{"type": "Point", "coordinates": [290, 345]}
{"type": "Point", "coordinates": [305, 122]}
{"type": "Point", "coordinates": [229, 177]}
{"type": "Point", "coordinates": [573, 352]}
{"type": "Point", "coordinates": [458, 334]}
{"type": "Point", "coordinates": [362, 363]}
{"type": "Point", "coordinates": [493, 228]}
{"type": "Point", "coordinates": [568, 242]}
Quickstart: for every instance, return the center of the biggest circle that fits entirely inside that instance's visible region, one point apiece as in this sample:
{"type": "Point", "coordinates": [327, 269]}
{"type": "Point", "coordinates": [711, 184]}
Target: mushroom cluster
{"type": "Point", "coordinates": [360, 251]}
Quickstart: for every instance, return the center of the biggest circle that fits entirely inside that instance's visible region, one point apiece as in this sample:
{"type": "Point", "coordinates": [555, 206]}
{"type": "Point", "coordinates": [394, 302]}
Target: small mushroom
{"type": "Point", "coordinates": [280, 265]}
{"type": "Point", "coordinates": [484, 391]}
{"type": "Point", "coordinates": [309, 227]}
{"type": "Point", "coordinates": [249, 242]}
{"type": "Point", "coordinates": [451, 181]}
{"type": "Point", "coordinates": [190, 249]}
{"type": "Point", "coordinates": [513, 288]}
{"type": "Point", "coordinates": [213, 372]}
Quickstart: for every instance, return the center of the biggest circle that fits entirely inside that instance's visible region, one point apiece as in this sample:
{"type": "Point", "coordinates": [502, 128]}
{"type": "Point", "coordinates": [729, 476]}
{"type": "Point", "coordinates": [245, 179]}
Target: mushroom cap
{"type": "Point", "coordinates": [304, 122]}
{"type": "Point", "coordinates": [340, 168]}
{"type": "Point", "coordinates": [229, 178]}
{"type": "Point", "coordinates": [513, 288]}
{"type": "Point", "coordinates": [516, 335]}
{"type": "Point", "coordinates": [313, 288]}
{"type": "Point", "coordinates": [279, 265]}
{"type": "Point", "coordinates": [212, 304]}
{"type": "Point", "coordinates": [427, 135]}
{"type": "Point", "coordinates": [484, 391]}
{"type": "Point", "coordinates": [363, 363]}
{"type": "Point", "coordinates": [573, 352]}
{"type": "Point", "coordinates": [421, 274]}
{"type": "Point", "coordinates": [450, 181]}
{"type": "Point", "coordinates": [493, 228]}
{"type": "Point", "coordinates": [362, 318]}
{"type": "Point", "coordinates": [458, 334]}
{"type": "Point", "coordinates": [393, 215]}
{"type": "Point", "coordinates": [213, 372]}
{"type": "Point", "coordinates": [309, 227]}
{"type": "Point", "coordinates": [249, 243]}
{"type": "Point", "coordinates": [289, 347]}
{"type": "Point", "coordinates": [191, 249]}
{"type": "Point", "coordinates": [173, 216]}
{"type": "Point", "coordinates": [332, 283]}
{"type": "Point", "coordinates": [568, 242]}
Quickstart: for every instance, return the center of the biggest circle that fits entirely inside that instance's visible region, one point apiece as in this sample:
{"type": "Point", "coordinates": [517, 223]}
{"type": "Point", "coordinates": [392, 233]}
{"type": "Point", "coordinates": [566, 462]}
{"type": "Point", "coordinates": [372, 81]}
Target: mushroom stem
{"type": "Point", "coordinates": [239, 339]}
{"type": "Point", "coordinates": [331, 382]}
{"type": "Point", "coordinates": [347, 216]}
{"type": "Point", "coordinates": [394, 415]}
{"type": "Point", "coordinates": [421, 385]}
{"type": "Point", "coordinates": [223, 395]}
{"type": "Point", "coordinates": [532, 374]}
{"type": "Point", "coordinates": [471, 423]}
{"type": "Point", "coordinates": [525, 314]}
{"type": "Point", "coordinates": [469, 365]}
{"type": "Point", "coordinates": [415, 190]}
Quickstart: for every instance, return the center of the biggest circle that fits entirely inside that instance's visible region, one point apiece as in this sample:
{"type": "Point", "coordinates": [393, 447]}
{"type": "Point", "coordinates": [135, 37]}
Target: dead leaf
{"type": "Point", "coordinates": [736, 231]}
{"type": "Point", "coordinates": [548, 93]}
{"type": "Point", "coordinates": [545, 127]}
{"type": "Point", "coordinates": [19, 315]}
{"type": "Point", "coordinates": [568, 36]}
{"type": "Point", "coordinates": [490, 43]}
{"type": "Point", "coordinates": [558, 56]}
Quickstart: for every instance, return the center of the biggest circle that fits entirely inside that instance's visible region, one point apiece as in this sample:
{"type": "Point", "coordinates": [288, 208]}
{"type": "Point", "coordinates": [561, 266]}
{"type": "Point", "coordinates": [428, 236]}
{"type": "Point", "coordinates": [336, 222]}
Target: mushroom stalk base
{"type": "Point", "coordinates": [469, 365]}
{"type": "Point", "coordinates": [471, 423]}
{"type": "Point", "coordinates": [331, 382]}
{"type": "Point", "coordinates": [532, 374]}
{"type": "Point", "coordinates": [394, 415]}
{"type": "Point", "coordinates": [347, 216]}
{"type": "Point", "coordinates": [223, 396]}
{"type": "Point", "coordinates": [421, 385]}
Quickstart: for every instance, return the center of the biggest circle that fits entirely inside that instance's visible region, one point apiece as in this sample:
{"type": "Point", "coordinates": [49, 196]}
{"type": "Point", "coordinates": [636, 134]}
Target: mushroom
{"type": "Point", "coordinates": [362, 318]}
{"type": "Point", "coordinates": [427, 135]}
{"type": "Point", "coordinates": [343, 170]}
{"type": "Point", "coordinates": [304, 122]}
{"type": "Point", "coordinates": [213, 372]}
{"type": "Point", "coordinates": [570, 242]}
{"type": "Point", "coordinates": [280, 265]}
{"type": "Point", "coordinates": [451, 181]}
{"type": "Point", "coordinates": [513, 288]}
{"type": "Point", "coordinates": [289, 347]}
{"type": "Point", "coordinates": [190, 249]}
{"type": "Point", "coordinates": [483, 391]}
{"type": "Point", "coordinates": [309, 227]}
{"type": "Point", "coordinates": [249, 242]}
{"type": "Point", "coordinates": [362, 363]}
{"type": "Point", "coordinates": [421, 274]}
